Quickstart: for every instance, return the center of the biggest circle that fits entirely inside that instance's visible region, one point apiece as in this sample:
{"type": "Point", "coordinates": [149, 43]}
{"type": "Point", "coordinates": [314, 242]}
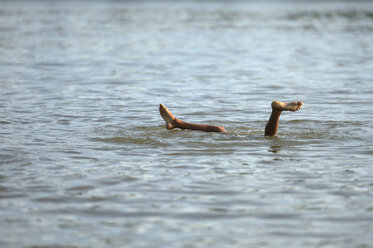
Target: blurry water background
{"type": "Point", "coordinates": [85, 159]}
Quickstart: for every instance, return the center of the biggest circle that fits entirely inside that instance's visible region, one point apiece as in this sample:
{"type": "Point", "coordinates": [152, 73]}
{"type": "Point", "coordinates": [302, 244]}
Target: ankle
{"type": "Point", "coordinates": [276, 106]}
{"type": "Point", "coordinates": [176, 122]}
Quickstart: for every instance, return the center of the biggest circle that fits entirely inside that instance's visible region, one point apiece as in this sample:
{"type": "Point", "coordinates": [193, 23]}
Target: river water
{"type": "Point", "coordinates": [86, 161]}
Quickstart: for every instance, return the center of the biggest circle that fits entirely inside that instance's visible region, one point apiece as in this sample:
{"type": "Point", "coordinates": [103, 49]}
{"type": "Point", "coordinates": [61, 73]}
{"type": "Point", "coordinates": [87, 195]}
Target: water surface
{"type": "Point", "coordinates": [85, 159]}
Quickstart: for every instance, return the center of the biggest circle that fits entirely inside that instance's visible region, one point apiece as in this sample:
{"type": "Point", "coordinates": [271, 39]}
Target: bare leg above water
{"type": "Point", "coordinates": [277, 108]}
{"type": "Point", "coordinates": [270, 129]}
{"type": "Point", "coordinates": [172, 122]}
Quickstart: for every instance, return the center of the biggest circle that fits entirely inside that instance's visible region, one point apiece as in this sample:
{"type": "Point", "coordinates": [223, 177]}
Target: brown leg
{"type": "Point", "coordinates": [172, 122]}
{"type": "Point", "coordinates": [277, 108]}
{"type": "Point", "coordinates": [206, 128]}
{"type": "Point", "coordinates": [272, 124]}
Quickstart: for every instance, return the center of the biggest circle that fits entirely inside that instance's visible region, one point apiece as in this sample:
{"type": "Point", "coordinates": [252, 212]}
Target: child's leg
{"type": "Point", "coordinates": [173, 122]}
{"type": "Point", "coordinates": [277, 108]}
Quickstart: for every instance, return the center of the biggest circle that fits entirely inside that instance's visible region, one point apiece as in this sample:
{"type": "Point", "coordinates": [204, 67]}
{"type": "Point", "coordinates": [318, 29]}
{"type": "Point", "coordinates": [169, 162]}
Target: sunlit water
{"type": "Point", "coordinates": [85, 159]}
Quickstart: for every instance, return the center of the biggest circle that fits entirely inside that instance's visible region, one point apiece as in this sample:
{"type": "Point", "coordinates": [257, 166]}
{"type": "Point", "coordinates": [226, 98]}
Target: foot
{"type": "Point", "coordinates": [167, 116]}
{"type": "Point", "coordinates": [287, 106]}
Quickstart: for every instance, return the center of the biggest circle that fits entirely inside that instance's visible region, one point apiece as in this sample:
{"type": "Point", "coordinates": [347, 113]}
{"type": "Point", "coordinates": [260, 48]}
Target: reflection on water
{"type": "Point", "coordinates": [275, 149]}
{"type": "Point", "coordinates": [85, 159]}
